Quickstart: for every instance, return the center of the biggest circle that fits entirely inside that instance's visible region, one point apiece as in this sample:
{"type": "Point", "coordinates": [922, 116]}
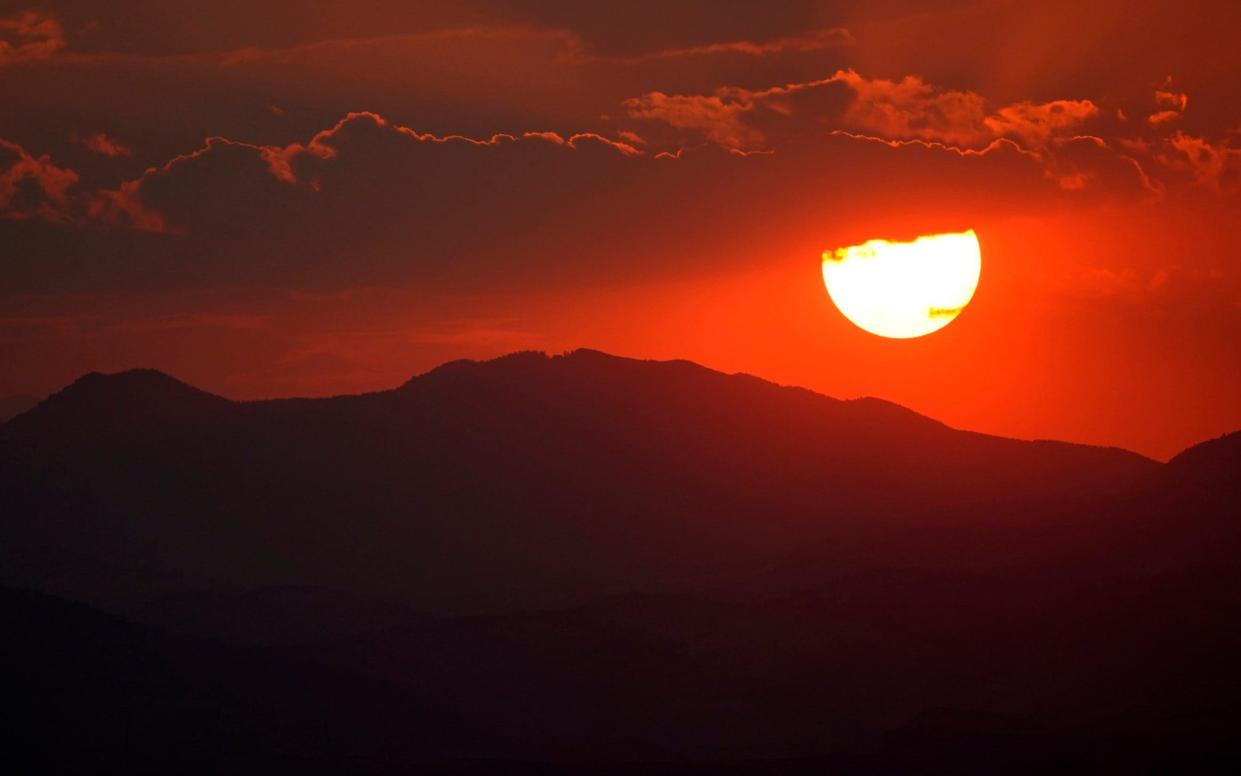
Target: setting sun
{"type": "Point", "coordinates": [904, 289]}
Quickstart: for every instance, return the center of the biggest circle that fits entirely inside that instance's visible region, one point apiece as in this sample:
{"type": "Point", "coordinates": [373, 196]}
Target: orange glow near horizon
{"type": "Point", "coordinates": [904, 289]}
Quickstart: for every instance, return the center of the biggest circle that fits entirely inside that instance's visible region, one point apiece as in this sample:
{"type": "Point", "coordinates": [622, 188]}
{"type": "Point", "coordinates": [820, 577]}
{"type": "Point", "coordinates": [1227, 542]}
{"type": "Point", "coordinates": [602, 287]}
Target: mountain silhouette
{"type": "Point", "coordinates": [522, 482]}
{"type": "Point", "coordinates": [1214, 466]}
{"type": "Point", "coordinates": [585, 563]}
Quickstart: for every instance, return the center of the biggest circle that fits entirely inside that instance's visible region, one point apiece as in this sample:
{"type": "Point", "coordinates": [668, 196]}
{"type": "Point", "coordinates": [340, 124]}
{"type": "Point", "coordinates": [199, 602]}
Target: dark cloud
{"type": "Point", "coordinates": [34, 187]}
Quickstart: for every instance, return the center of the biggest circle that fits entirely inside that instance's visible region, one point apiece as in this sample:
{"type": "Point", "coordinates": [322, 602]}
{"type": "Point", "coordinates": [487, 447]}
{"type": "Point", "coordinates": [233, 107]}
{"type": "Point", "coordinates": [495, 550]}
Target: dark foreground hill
{"type": "Point", "coordinates": [590, 564]}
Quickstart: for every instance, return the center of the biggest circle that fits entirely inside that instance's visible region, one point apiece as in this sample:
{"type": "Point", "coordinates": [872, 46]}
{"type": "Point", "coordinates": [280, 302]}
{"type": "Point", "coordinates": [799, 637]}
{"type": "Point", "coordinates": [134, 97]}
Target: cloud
{"type": "Point", "coordinates": [720, 117]}
{"type": "Point", "coordinates": [1163, 117]}
{"type": "Point", "coordinates": [1035, 124]}
{"type": "Point", "coordinates": [732, 117]}
{"type": "Point", "coordinates": [913, 109]}
{"type": "Point", "coordinates": [1173, 100]}
{"type": "Point", "coordinates": [902, 113]}
{"type": "Point", "coordinates": [905, 109]}
{"type": "Point", "coordinates": [999, 144]}
{"type": "Point", "coordinates": [623, 145]}
{"type": "Point", "coordinates": [632, 138]}
{"type": "Point", "coordinates": [123, 206]}
{"type": "Point", "coordinates": [1171, 104]}
{"type": "Point", "coordinates": [102, 144]}
{"type": "Point", "coordinates": [28, 36]}
{"type": "Point", "coordinates": [1215, 166]}
{"type": "Point", "coordinates": [282, 160]}
{"type": "Point", "coordinates": [1090, 163]}
{"type": "Point", "coordinates": [37, 188]}
{"type": "Point", "coordinates": [34, 187]}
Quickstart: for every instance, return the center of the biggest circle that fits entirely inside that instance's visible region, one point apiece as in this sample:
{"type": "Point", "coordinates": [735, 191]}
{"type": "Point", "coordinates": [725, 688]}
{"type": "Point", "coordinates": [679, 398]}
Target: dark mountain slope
{"type": "Point", "coordinates": [1213, 467]}
{"type": "Point", "coordinates": [523, 481]}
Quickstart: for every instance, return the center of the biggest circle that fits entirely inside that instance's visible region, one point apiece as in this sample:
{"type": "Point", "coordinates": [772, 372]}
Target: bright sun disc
{"type": "Point", "coordinates": [904, 289]}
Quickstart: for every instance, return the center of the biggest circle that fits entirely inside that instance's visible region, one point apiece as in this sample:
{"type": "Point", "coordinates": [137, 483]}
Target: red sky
{"type": "Point", "coordinates": [270, 199]}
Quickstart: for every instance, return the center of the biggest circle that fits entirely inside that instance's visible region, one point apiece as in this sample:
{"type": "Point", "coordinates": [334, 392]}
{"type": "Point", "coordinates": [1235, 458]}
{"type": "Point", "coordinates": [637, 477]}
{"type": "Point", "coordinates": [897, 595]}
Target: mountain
{"type": "Point", "coordinates": [12, 406]}
{"type": "Point", "coordinates": [590, 564]}
{"type": "Point", "coordinates": [524, 482]}
{"type": "Point", "coordinates": [1214, 466]}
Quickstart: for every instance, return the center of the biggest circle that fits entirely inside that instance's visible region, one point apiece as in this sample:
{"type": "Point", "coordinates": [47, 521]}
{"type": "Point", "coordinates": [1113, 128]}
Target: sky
{"type": "Point", "coordinates": [286, 198]}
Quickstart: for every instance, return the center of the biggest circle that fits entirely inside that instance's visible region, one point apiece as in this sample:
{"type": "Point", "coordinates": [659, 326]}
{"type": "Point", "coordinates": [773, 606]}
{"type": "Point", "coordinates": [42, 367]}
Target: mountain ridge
{"type": "Point", "coordinates": [530, 480]}
{"type": "Point", "coordinates": [150, 383]}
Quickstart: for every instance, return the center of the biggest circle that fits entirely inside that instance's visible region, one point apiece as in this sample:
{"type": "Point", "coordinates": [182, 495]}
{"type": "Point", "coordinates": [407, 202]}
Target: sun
{"type": "Point", "coordinates": [904, 289]}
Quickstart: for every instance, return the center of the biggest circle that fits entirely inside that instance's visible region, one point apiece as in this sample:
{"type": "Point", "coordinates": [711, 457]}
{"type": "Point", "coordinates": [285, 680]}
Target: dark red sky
{"type": "Point", "coordinates": [269, 199]}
